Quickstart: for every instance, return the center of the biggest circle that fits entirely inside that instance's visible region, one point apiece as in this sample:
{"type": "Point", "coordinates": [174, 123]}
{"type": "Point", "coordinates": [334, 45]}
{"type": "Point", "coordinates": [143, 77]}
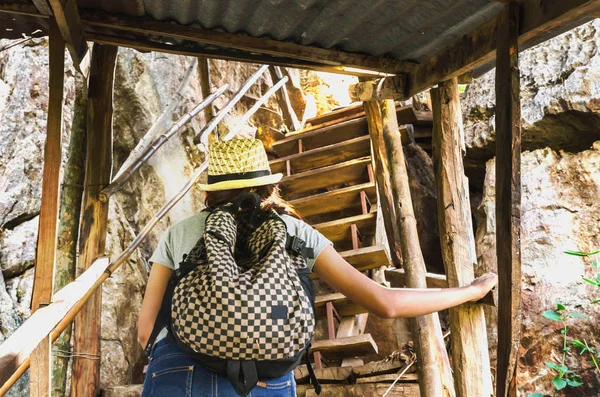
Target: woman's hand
{"type": "Point", "coordinates": [482, 285]}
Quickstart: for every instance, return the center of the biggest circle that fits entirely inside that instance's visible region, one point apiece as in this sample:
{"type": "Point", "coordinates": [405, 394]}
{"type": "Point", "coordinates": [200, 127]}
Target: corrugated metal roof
{"type": "Point", "coordinates": [403, 29]}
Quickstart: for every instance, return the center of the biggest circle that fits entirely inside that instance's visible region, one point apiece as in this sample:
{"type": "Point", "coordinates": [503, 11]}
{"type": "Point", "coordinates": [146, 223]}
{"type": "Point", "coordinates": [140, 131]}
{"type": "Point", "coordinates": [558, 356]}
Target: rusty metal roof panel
{"type": "Point", "coordinates": [403, 29]}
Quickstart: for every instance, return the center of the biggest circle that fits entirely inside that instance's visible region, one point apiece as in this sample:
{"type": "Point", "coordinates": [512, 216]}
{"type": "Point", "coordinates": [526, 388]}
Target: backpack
{"type": "Point", "coordinates": [242, 301]}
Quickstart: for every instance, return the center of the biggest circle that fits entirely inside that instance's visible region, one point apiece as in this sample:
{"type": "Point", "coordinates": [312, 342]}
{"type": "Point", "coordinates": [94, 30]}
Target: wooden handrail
{"type": "Point", "coordinates": [124, 176]}
{"type": "Point", "coordinates": [202, 136]}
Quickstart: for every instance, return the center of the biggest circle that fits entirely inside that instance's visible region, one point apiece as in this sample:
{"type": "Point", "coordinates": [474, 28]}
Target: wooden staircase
{"type": "Point", "coordinates": [328, 178]}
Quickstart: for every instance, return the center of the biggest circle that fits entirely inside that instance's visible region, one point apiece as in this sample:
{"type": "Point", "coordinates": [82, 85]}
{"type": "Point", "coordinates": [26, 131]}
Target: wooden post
{"type": "Point", "coordinates": [43, 285]}
{"type": "Point", "coordinates": [470, 355]}
{"type": "Point", "coordinates": [289, 116]}
{"type": "Point", "coordinates": [435, 376]}
{"type": "Point", "coordinates": [86, 369]}
{"type": "Point", "coordinates": [205, 86]}
{"type": "Point", "coordinates": [508, 199]}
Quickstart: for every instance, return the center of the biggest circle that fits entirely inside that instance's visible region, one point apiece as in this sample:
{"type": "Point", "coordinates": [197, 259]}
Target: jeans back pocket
{"type": "Point", "coordinates": [170, 382]}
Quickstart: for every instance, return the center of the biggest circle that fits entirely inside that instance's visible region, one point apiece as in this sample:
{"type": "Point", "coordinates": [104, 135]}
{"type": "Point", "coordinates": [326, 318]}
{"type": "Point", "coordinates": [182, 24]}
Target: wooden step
{"type": "Point", "coordinates": [336, 200]}
{"type": "Point", "coordinates": [323, 156]}
{"type": "Point", "coordinates": [350, 346]}
{"type": "Point", "coordinates": [344, 112]}
{"type": "Point", "coordinates": [397, 279]}
{"type": "Point", "coordinates": [343, 306]}
{"type": "Point", "coordinates": [320, 137]}
{"type": "Point", "coordinates": [364, 259]}
{"type": "Point", "coordinates": [338, 231]}
{"type": "Point", "coordinates": [362, 389]}
{"type": "Point", "coordinates": [351, 172]}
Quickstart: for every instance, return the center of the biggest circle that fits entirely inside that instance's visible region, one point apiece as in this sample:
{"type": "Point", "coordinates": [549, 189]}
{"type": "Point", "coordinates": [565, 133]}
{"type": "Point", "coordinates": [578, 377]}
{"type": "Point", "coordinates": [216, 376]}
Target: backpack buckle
{"type": "Point", "coordinates": [295, 245]}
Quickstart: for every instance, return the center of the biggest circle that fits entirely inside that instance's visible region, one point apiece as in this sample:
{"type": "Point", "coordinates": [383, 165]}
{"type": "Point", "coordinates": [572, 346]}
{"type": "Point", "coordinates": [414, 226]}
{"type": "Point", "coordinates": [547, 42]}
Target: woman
{"type": "Point", "coordinates": [239, 166]}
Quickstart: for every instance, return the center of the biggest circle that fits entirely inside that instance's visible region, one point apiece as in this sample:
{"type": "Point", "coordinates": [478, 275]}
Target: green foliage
{"type": "Point", "coordinates": [565, 377]}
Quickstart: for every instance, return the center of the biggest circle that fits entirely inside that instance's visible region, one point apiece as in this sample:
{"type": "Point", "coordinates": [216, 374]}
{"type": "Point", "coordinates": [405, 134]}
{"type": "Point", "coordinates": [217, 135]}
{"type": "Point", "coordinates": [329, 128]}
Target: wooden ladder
{"type": "Point", "coordinates": [328, 178]}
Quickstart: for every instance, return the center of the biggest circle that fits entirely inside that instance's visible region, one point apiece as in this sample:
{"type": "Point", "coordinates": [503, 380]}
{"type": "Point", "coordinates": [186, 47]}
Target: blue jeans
{"type": "Point", "coordinates": [172, 373]}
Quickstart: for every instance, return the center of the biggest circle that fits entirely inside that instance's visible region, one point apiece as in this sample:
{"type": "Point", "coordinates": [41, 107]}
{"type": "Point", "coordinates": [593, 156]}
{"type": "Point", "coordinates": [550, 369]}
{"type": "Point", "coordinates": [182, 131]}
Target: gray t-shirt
{"type": "Point", "coordinates": [183, 236]}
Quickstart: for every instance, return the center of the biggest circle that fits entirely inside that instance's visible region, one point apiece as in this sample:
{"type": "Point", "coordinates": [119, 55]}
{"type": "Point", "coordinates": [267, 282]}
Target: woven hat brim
{"type": "Point", "coordinates": [241, 183]}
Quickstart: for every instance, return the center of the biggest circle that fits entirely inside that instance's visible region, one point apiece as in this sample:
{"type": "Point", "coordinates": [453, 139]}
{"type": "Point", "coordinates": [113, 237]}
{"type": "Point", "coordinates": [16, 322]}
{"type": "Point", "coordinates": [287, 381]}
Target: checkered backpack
{"type": "Point", "coordinates": [243, 301]}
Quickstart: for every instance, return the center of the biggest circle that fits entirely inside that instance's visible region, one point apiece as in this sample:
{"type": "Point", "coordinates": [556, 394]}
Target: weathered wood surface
{"type": "Point", "coordinates": [15, 350]}
{"type": "Point", "coordinates": [324, 375]}
{"type": "Point", "coordinates": [68, 227]}
{"type": "Point", "coordinates": [364, 259]}
{"type": "Point", "coordinates": [364, 390]}
{"type": "Point", "coordinates": [346, 198]}
{"type": "Point", "coordinates": [338, 231]}
{"type": "Point", "coordinates": [479, 46]}
{"type": "Point", "coordinates": [283, 99]}
{"type": "Point", "coordinates": [375, 90]}
{"type": "Point", "coordinates": [343, 306]}
{"type": "Point", "coordinates": [350, 172]}
{"type": "Point", "coordinates": [508, 200]}
{"type": "Point", "coordinates": [470, 355]}
{"type": "Point", "coordinates": [389, 378]}
{"type": "Point", "coordinates": [397, 279]}
{"type": "Point", "coordinates": [68, 21]}
{"type": "Point", "coordinates": [339, 348]}
{"type": "Point", "coordinates": [246, 43]}
{"type": "Point", "coordinates": [352, 110]}
{"type": "Point", "coordinates": [86, 337]}
{"type": "Point", "coordinates": [205, 86]}
{"type": "Point", "coordinates": [323, 156]}
{"type": "Point", "coordinates": [43, 285]}
{"type": "Point", "coordinates": [396, 202]}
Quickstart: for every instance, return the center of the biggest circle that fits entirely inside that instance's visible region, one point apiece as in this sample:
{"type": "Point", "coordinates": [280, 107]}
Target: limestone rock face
{"type": "Point", "coordinates": [560, 98]}
{"type": "Point", "coordinates": [560, 212]}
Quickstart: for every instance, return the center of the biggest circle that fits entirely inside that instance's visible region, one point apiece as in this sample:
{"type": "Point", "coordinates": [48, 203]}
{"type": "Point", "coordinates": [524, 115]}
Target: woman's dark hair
{"type": "Point", "coordinates": [269, 199]}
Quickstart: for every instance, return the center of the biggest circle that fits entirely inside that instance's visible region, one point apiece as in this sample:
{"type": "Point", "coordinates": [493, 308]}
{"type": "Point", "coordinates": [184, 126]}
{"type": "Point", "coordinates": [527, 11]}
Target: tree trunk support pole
{"type": "Point", "coordinates": [470, 355]}
{"type": "Point", "coordinates": [86, 370]}
{"type": "Point", "coordinates": [205, 86]}
{"type": "Point", "coordinates": [393, 187]}
{"type": "Point", "coordinates": [508, 199]}
{"type": "Point", "coordinates": [43, 286]}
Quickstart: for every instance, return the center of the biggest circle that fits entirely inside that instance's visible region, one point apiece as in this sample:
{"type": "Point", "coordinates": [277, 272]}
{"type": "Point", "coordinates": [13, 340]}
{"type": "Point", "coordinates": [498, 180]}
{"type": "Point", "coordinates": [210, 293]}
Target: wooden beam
{"type": "Point", "coordinates": [205, 86]}
{"type": "Point", "coordinates": [470, 355]}
{"type": "Point", "coordinates": [68, 21]}
{"type": "Point", "coordinates": [383, 64]}
{"type": "Point", "coordinates": [374, 90]}
{"type": "Point", "coordinates": [397, 279]}
{"type": "Point", "coordinates": [394, 195]}
{"type": "Point", "coordinates": [508, 200]}
{"type": "Point", "coordinates": [478, 47]}
{"type": "Point", "coordinates": [283, 99]}
{"type": "Point", "coordinates": [43, 285]}
{"type": "Point", "coordinates": [86, 338]}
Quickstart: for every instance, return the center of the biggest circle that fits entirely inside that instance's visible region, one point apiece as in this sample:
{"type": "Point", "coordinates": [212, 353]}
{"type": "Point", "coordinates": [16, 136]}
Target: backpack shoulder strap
{"type": "Point", "coordinates": [298, 246]}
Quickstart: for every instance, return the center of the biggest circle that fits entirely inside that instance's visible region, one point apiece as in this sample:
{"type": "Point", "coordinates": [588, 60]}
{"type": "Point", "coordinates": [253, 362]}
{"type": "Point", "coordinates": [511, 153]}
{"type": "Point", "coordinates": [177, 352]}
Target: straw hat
{"type": "Point", "coordinates": [237, 164]}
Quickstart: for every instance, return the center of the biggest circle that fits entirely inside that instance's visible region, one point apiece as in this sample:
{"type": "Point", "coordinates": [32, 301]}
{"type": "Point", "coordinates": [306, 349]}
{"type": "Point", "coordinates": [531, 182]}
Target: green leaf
{"type": "Point", "coordinates": [595, 264]}
{"type": "Point", "coordinates": [559, 383]}
{"type": "Point", "coordinates": [593, 282]}
{"type": "Point", "coordinates": [552, 315]}
{"type": "Point", "coordinates": [559, 306]}
{"type": "Point", "coordinates": [559, 368]}
{"type": "Point", "coordinates": [580, 345]}
{"type": "Point", "coordinates": [581, 253]}
{"type": "Point", "coordinates": [536, 394]}
{"type": "Point", "coordinates": [574, 381]}
{"type": "Point", "coordinates": [575, 315]}
{"type": "Point", "coordinates": [596, 301]}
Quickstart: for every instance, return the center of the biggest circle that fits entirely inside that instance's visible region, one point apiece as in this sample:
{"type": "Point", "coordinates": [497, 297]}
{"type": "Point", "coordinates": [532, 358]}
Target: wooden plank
{"type": "Point", "coordinates": [322, 136]}
{"type": "Point", "coordinates": [366, 389]}
{"type": "Point", "coordinates": [337, 114]}
{"type": "Point", "coordinates": [68, 21]}
{"type": "Point", "coordinates": [392, 87]}
{"type": "Point", "coordinates": [389, 378]}
{"type": "Point", "coordinates": [205, 86]}
{"type": "Point", "coordinates": [397, 279]}
{"type": "Point", "coordinates": [508, 200]}
{"type": "Point", "coordinates": [363, 259]}
{"type": "Point", "coordinates": [325, 155]}
{"type": "Point", "coordinates": [336, 200]}
{"type": "Point", "coordinates": [470, 355]}
{"type": "Point", "coordinates": [324, 375]}
{"type": "Point", "coordinates": [343, 306]}
{"type": "Point", "coordinates": [538, 20]}
{"type": "Point", "coordinates": [339, 230]}
{"type": "Point", "coordinates": [401, 229]}
{"type": "Point", "coordinates": [86, 336]}
{"type": "Point", "coordinates": [15, 350]}
{"type": "Point", "coordinates": [318, 55]}
{"type": "Point", "coordinates": [289, 116]}
{"type": "Point", "coordinates": [45, 265]}
{"type": "Point", "coordinates": [350, 172]}
{"type": "Point", "coordinates": [335, 349]}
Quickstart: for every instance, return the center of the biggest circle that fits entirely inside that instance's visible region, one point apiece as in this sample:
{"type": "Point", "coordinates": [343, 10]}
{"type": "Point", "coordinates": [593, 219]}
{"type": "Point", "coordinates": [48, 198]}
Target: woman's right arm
{"type": "Point", "coordinates": [155, 289]}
